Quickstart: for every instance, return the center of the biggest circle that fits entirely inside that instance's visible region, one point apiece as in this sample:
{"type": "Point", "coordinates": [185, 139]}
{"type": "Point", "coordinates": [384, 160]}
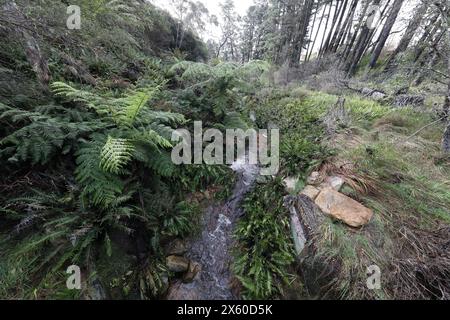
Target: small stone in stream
{"type": "Point", "coordinates": [313, 178]}
{"type": "Point", "coordinates": [181, 291]}
{"type": "Point", "coordinates": [177, 264]}
{"type": "Point", "coordinates": [334, 182]}
{"type": "Point", "coordinates": [194, 269]}
{"type": "Point", "coordinates": [310, 192]}
{"type": "Point", "coordinates": [343, 208]}
{"type": "Point", "coordinates": [176, 248]}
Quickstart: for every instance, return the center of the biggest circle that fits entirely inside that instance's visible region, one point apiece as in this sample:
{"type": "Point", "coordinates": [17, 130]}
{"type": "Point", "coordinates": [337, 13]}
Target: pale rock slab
{"type": "Point", "coordinates": [343, 208]}
{"type": "Point", "coordinates": [311, 192]}
{"type": "Point", "coordinates": [334, 183]}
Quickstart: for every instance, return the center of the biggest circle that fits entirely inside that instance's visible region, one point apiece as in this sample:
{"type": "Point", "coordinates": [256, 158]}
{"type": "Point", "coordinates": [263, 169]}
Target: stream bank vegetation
{"type": "Point", "coordinates": [86, 119]}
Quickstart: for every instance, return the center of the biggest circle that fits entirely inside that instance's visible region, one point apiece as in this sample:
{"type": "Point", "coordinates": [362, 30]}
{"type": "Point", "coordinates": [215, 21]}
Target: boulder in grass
{"type": "Point", "coordinates": [343, 208]}
{"type": "Point", "coordinates": [311, 192]}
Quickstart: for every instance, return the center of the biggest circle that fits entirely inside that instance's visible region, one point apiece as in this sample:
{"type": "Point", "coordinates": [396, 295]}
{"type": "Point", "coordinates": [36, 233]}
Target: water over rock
{"type": "Point", "coordinates": [212, 278]}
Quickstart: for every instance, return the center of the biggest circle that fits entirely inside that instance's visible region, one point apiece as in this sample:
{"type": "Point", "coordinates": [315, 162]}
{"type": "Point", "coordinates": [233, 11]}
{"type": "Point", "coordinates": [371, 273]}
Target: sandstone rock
{"type": "Point", "coordinates": [310, 192]}
{"type": "Point", "coordinates": [194, 269]}
{"type": "Point", "coordinates": [343, 208]}
{"type": "Point", "coordinates": [334, 183]}
{"type": "Point", "coordinates": [176, 248]}
{"type": "Point", "coordinates": [313, 178]}
{"type": "Point", "coordinates": [177, 264]}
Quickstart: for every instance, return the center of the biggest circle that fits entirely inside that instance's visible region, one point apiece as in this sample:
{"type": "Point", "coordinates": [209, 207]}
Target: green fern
{"type": "Point", "coordinates": [43, 134]}
{"type": "Point", "coordinates": [115, 154]}
{"type": "Point", "coordinates": [135, 133]}
{"type": "Point", "coordinates": [234, 120]}
{"type": "Point", "coordinates": [100, 187]}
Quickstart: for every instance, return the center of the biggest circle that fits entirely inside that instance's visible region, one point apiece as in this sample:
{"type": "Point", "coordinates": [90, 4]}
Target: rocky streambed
{"type": "Point", "coordinates": [207, 261]}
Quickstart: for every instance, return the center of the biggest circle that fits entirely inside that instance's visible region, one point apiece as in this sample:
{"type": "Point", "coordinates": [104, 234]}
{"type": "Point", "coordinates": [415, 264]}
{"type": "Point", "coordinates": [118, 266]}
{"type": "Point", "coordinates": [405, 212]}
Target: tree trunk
{"type": "Point", "coordinates": [337, 12]}
{"type": "Point", "coordinates": [326, 27]}
{"type": "Point", "coordinates": [338, 27]}
{"type": "Point", "coordinates": [361, 43]}
{"type": "Point", "coordinates": [348, 52]}
{"type": "Point", "coordinates": [345, 27]}
{"type": "Point", "coordinates": [429, 31]}
{"type": "Point", "coordinates": [409, 34]}
{"type": "Point", "coordinates": [299, 39]}
{"type": "Point", "coordinates": [317, 33]}
{"type": "Point", "coordinates": [445, 14]}
{"type": "Point", "coordinates": [310, 36]}
{"type": "Point", "coordinates": [386, 32]}
{"type": "Point", "coordinates": [374, 31]}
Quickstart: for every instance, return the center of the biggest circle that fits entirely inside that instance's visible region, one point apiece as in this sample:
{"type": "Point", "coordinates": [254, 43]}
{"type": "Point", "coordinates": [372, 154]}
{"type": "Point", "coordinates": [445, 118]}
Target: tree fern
{"type": "Point", "coordinates": [223, 87]}
{"type": "Point", "coordinates": [196, 72]}
{"type": "Point", "coordinates": [135, 133]}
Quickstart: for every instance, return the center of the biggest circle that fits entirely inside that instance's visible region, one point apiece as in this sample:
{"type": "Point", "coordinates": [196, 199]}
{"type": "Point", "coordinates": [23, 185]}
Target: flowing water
{"type": "Point", "coordinates": [212, 249]}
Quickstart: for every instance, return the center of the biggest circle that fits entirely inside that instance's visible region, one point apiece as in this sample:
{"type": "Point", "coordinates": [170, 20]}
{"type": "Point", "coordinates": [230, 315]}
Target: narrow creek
{"type": "Point", "coordinates": [212, 249]}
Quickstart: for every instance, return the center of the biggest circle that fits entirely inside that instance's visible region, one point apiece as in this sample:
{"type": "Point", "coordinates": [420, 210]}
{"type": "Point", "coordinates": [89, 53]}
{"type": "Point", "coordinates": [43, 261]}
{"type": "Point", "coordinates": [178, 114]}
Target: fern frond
{"type": "Point", "coordinates": [159, 161]}
{"type": "Point", "coordinates": [164, 117]}
{"type": "Point", "coordinates": [115, 154]}
{"type": "Point", "coordinates": [92, 101]}
{"type": "Point", "coordinates": [99, 186]}
{"type": "Point", "coordinates": [131, 106]}
{"type": "Point", "coordinates": [253, 68]}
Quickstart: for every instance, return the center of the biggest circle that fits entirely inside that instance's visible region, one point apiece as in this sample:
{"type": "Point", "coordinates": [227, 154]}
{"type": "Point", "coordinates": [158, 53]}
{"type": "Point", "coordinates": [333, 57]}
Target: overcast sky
{"type": "Point", "coordinates": [213, 5]}
{"type": "Point", "coordinates": [242, 6]}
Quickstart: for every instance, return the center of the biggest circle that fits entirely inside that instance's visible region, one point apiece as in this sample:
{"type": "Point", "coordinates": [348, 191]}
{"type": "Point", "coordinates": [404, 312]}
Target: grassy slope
{"type": "Point", "coordinates": [402, 177]}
